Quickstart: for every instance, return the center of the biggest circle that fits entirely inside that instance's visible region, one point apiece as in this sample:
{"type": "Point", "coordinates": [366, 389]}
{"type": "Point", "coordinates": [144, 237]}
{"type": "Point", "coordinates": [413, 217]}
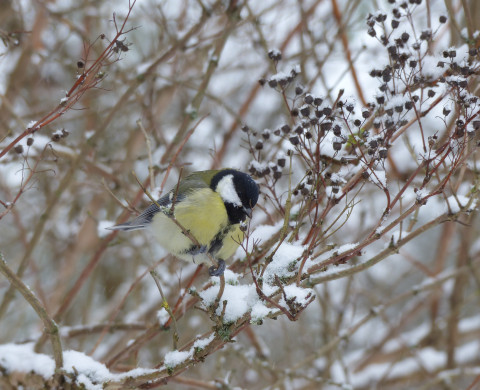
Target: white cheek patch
{"type": "Point", "coordinates": [226, 189]}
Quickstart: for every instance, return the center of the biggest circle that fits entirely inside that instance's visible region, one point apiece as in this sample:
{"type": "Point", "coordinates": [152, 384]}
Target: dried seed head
{"type": "Point", "coordinates": [380, 17]}
{"type": "Point", "coordinates": [272, 83]}
{"type": "Point", "coordinates": [308, 99]}
{"type": "Point", "coordinates": [380, 99]}
{"type": "Point", "coordinates": [325, 126]}
{"type": "Point", "coordinates": [275, 55]}
{"type": "Point", "coordinates": [294, 140]}
{"type": "Point", "coordinates": [305, 110]}
{"type": "Point", "coordinates": [426, 35]}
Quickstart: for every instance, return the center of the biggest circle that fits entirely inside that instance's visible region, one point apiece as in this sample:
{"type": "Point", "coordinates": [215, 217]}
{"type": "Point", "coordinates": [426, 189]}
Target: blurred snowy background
{"type": "Point", "coordinates": [370, 244]}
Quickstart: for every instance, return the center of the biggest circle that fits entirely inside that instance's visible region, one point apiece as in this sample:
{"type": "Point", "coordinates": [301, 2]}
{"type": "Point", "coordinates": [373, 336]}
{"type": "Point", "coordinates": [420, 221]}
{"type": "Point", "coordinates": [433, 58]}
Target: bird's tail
{"type": "Point", "coordinates": [140, 222]}
{"type": "Point", "coordinates": [127, 226]}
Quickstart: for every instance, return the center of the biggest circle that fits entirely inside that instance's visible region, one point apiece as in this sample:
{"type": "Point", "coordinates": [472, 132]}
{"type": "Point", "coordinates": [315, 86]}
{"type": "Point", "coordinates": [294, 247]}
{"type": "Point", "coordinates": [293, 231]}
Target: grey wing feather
{"type": "Point", "coordinates": [145, 218]}
{"type": "Point", "coordinates": [190, 183]}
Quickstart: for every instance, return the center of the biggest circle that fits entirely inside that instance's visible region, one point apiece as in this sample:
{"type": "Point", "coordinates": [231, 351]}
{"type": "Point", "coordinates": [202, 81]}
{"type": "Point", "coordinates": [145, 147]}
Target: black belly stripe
{"type": "Point", "coordinates": [214, 246]}
{"type": "Point", "coordinates": [217, 243]}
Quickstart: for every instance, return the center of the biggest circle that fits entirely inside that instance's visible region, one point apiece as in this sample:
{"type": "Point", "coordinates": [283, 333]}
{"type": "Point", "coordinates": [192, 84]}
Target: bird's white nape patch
{"type": "Point", "coordinates": [226, 189]}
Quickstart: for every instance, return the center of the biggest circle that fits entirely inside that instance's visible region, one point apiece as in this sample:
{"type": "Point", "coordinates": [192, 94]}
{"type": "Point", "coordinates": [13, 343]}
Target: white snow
{"type": "Point", "coordinates": [91, 373]}
{"type": "Point", "coordinates": [175, 358]}
{"type": "Point", "coordinates": [430, 68]}
{"type": "Point", "coordinates": [260, 311]}
{"type": "Point", "coordinates": [261, 234]}
{"type": "Point", "coordinates": [240, 299]}
{"type": "Point", "coordinates": [200, 344]}
{"type": "Point", "coordinates": [31, 124]}
{"type": "Point", "coordinates": [230, 278]}
{"type": "Point", "coordinates": [21, 358]}
{"type": "Point", "coordinates": [88, 372]}
{"type": "Point", "coordinates": [283, 265]}
{"type": "Point", "coordinates": [299, 294]}
{"type": "Point", "coordinates": [162, 316]}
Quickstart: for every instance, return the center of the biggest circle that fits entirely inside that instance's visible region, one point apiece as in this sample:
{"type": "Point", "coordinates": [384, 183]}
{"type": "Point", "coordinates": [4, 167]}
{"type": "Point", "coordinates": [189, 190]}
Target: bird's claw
{"type": "Point", "coordinates": [219, 270]}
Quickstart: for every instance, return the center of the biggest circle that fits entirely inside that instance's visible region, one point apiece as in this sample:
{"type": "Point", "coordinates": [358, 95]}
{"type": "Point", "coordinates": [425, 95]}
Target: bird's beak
{"type": "Point", "coordinates": [247, 211]}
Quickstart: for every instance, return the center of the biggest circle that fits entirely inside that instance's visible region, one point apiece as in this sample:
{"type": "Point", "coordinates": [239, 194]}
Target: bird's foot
{"type": "Point", "coordinates": [219, 270]}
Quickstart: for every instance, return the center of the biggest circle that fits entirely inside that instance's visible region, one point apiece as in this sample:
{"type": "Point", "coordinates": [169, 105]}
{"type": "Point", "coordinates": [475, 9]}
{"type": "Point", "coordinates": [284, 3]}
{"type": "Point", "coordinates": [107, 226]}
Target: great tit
{"type": "Point", "coordinates": [201, 216]}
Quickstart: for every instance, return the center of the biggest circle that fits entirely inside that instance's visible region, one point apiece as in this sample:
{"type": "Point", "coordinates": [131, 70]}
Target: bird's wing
{"type": "Point", "coordinates": [190, 183]}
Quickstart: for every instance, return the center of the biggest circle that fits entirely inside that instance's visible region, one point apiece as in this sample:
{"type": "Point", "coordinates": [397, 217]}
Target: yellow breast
{"type": "Point", "coordinates": [203, 215]}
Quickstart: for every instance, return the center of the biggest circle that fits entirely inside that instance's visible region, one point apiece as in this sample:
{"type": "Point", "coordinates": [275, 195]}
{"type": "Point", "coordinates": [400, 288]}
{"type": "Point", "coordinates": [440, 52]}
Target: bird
{"type": "Point", "coordinates": [201, 218]}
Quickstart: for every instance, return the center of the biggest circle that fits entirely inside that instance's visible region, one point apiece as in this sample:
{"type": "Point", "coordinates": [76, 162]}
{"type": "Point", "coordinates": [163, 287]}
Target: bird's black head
{"type": "Point", "coordinates": [238, 191]}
